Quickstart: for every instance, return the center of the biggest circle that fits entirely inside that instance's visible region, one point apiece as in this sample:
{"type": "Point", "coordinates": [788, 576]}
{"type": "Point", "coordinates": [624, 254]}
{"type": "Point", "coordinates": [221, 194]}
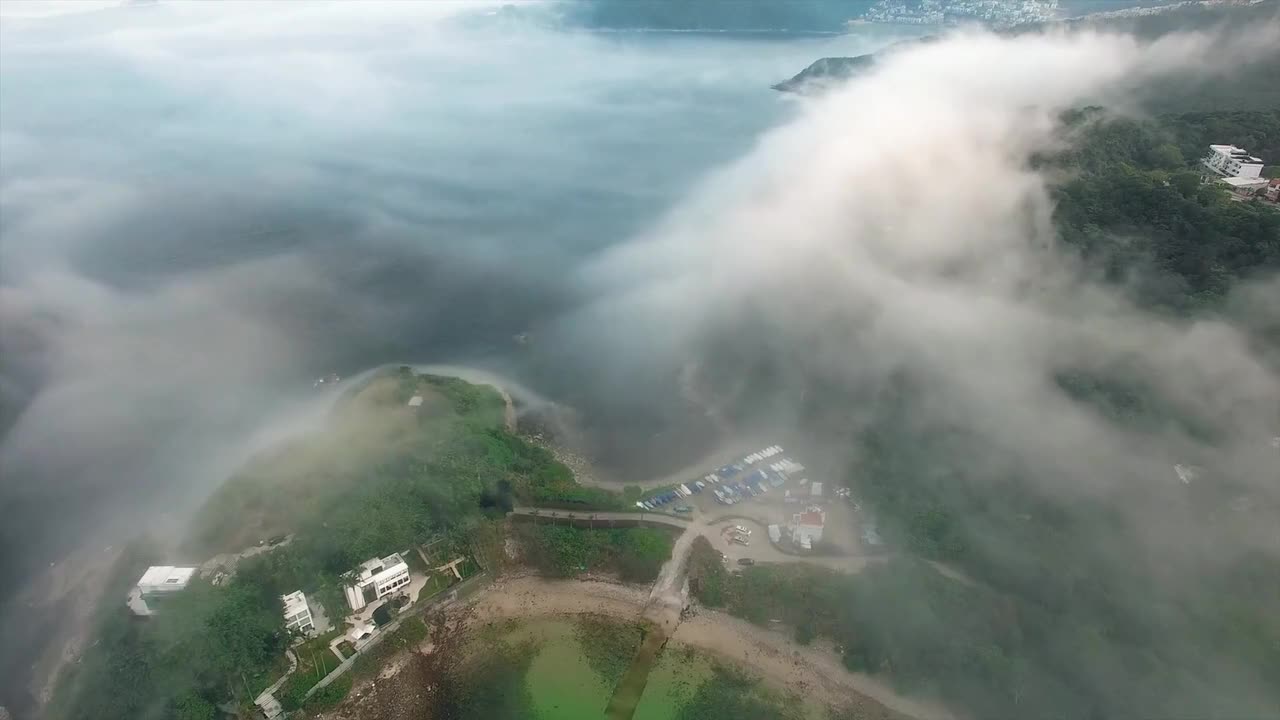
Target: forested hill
{"type": "Point", "coordinates": [1138, 211]}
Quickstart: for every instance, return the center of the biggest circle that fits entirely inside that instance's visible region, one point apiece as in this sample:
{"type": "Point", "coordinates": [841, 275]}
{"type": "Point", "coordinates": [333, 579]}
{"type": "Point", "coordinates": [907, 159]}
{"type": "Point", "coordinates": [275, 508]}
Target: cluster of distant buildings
{"type": "Point", "coordinates": [997, 13]}
{"type": "Point", "coordinates": [1146, 10]}
{"type": "Point", "coordinates": [372, 581]}
{"type": "Point", "coordinates": [1241, 172]}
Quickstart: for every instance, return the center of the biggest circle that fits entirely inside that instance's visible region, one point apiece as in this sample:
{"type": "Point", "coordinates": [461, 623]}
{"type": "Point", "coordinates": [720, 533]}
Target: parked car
{"type": "Point", "coordinates": [746, 561]}
{"type": "Point", "coordinates": [684, 509]}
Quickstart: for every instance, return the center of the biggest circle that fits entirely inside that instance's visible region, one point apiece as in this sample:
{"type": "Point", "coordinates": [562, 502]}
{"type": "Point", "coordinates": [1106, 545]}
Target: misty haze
{"type": "Point", "coordinates": [800, 359]}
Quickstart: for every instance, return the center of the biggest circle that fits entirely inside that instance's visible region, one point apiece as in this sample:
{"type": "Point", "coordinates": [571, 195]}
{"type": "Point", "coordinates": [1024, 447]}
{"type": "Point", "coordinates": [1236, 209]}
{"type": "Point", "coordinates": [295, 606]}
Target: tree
{"type": "Point", "coordinates": [194, 707]}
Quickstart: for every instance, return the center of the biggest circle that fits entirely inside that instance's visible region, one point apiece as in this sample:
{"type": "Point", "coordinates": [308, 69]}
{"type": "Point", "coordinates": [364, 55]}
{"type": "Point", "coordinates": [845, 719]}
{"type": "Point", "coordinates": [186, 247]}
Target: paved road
{"type": "Point", "coordinates": [586, 517]}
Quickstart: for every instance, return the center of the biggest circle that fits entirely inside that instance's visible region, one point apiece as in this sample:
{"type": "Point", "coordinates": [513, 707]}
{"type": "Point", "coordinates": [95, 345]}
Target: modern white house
{"type": "Point", "coordinates": [376, 579]}
{"type": "Point", "coordinates": [297, 613]}
{"type": "Point", "coordinates": [156, 582]}
{"type": "Point", "coordinates": [1231, 161]}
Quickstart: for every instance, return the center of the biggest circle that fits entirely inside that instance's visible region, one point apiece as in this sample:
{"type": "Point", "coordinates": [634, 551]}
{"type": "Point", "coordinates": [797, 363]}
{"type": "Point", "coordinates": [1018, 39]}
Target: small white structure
{"type": "Point", "coordinates": [415, 401]}
{"type": "Point", "coordinates": [808, 527]}
{"type": "Point", "coordinates": [297, 613]}
{"type": "Point", "coordinates": [815, 490]}
{"type": "Point", "coordinates": [1231, 161]}
{"type": "Point", "coordinates": [775, 533]}
{"type": "Point", "coordinates": [376, 579]}
{"type": "Point", "coordinates": [157, 581]}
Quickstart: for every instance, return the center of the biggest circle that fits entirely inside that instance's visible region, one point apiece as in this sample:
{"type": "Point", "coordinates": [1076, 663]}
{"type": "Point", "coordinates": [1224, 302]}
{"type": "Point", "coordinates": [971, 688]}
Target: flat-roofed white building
{"type": "Point", "coordinates": [156, 582]}
{"type": "Point", "coordinates": [161, 579]}
{"type": "Point", "coordinates": [1231, 161]}
{"type": "Point", "coordinates": [297, 613]}
{"type": "Point", "coordinates": [1246, 186]}
{"type": "Point", "coordinates": [376, 579]}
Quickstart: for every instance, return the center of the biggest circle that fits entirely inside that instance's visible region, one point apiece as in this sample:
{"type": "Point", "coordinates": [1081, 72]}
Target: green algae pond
{"type": "Point", "coordinates": [571, 669]}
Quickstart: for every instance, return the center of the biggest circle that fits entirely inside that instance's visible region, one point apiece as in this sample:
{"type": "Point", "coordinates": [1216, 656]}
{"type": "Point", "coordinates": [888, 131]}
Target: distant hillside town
{"type": "Point", "coordinates": [997, 13]}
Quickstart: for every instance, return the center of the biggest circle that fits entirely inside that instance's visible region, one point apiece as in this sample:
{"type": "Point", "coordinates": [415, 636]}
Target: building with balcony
{"type": "Point", "coordinates": [375, 579]}
{"type": "Point", "coordinates": [1231, 161]}
{"type": "Point", "coordinates": [297, 613]}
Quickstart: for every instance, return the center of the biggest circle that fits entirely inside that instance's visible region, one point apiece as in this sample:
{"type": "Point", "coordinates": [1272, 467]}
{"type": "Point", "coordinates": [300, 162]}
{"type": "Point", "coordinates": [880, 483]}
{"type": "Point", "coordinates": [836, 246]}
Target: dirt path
{"type": "Point", "coordinates": [814, 670]}
{"type": "Point", "coordinates": [533, 596]}
{"type": "Point", "coordinates": [771, 654]}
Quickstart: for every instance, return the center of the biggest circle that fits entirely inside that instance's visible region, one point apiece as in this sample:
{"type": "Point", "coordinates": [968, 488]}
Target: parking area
{"type": "Point", "coordinates": [790, 515]}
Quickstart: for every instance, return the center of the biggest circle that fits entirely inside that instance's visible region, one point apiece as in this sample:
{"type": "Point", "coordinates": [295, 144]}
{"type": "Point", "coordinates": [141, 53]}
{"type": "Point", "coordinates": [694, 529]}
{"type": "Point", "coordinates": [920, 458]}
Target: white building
{"type": "Point", "coordinates": [1245, 186]}
{"type": "Point", "coordinates": [297, 613]}
{"type": "Point", "coordinates": [808, 527]}
{"type": "Point", "coordinates": [158, 581]}
{"type": "Point", "coordinates": [376, 579]}
{"type": "Point", "coordinates": [162, 579]}
{"type": "Point", "coordinates": [1231, 161]}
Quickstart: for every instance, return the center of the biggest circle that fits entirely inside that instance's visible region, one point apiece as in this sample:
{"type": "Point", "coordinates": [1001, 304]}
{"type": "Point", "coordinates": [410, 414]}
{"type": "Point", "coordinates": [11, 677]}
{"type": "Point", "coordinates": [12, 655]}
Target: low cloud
{"type": "Point", "coordinates": [899, 224]}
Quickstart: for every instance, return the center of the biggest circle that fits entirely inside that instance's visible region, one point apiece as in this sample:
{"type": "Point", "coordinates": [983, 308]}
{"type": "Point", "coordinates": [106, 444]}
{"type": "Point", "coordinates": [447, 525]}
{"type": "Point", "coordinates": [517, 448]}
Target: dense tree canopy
{"type": "Point", "coordinates": [1139, 213]}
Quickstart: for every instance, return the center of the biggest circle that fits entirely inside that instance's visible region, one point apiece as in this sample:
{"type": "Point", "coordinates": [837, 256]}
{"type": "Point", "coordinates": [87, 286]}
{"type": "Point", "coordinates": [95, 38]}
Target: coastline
{"type": "Point", "coordinates": [814, 670]}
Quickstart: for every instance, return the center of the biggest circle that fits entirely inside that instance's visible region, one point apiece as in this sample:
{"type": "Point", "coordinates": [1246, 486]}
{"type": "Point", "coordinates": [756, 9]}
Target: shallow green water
{"type": "Point", "coordinates": [672, 682]}
{"type": "Point", "coordinates": [563, 686]}
{"type": "Point", "coordinates": [559, 680]}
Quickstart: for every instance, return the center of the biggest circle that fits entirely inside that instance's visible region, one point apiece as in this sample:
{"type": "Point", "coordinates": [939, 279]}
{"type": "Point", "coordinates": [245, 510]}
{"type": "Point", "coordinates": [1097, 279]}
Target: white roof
{"type": "Point", "coordinates": [415, 401]}
{"type": "Point", "coordinates": [166, 576]}
{"type": "Point", "coordinates": [294, 603]}
{"type": "Point", "coordinates": [377, 570]}
{"type": "Point", "coordinates": [1244, 182]}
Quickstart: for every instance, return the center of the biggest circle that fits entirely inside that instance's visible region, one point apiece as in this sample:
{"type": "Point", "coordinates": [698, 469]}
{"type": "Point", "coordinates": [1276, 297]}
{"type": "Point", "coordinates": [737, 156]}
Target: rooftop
{"type": "Point", "coordinates": [294, 603]}
{"type": "Point", "coordinates": [1238, 182]}
{"type": "Point", "coordinates": [160, 575]}
{"type": "Point", "coordinates": [1235, 153]}
{"type": "Point", "coordinates": [415, 401]}
{"type": "Point", "coordinates": [812, 518]}
{"type": "Point", "coordinates": [377, 567]}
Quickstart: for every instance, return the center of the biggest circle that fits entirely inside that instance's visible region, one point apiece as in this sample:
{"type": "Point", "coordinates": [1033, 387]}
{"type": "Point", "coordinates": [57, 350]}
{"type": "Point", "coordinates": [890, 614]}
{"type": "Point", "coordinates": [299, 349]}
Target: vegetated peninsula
{"type": "Point", "coordinates": [406, 525]}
